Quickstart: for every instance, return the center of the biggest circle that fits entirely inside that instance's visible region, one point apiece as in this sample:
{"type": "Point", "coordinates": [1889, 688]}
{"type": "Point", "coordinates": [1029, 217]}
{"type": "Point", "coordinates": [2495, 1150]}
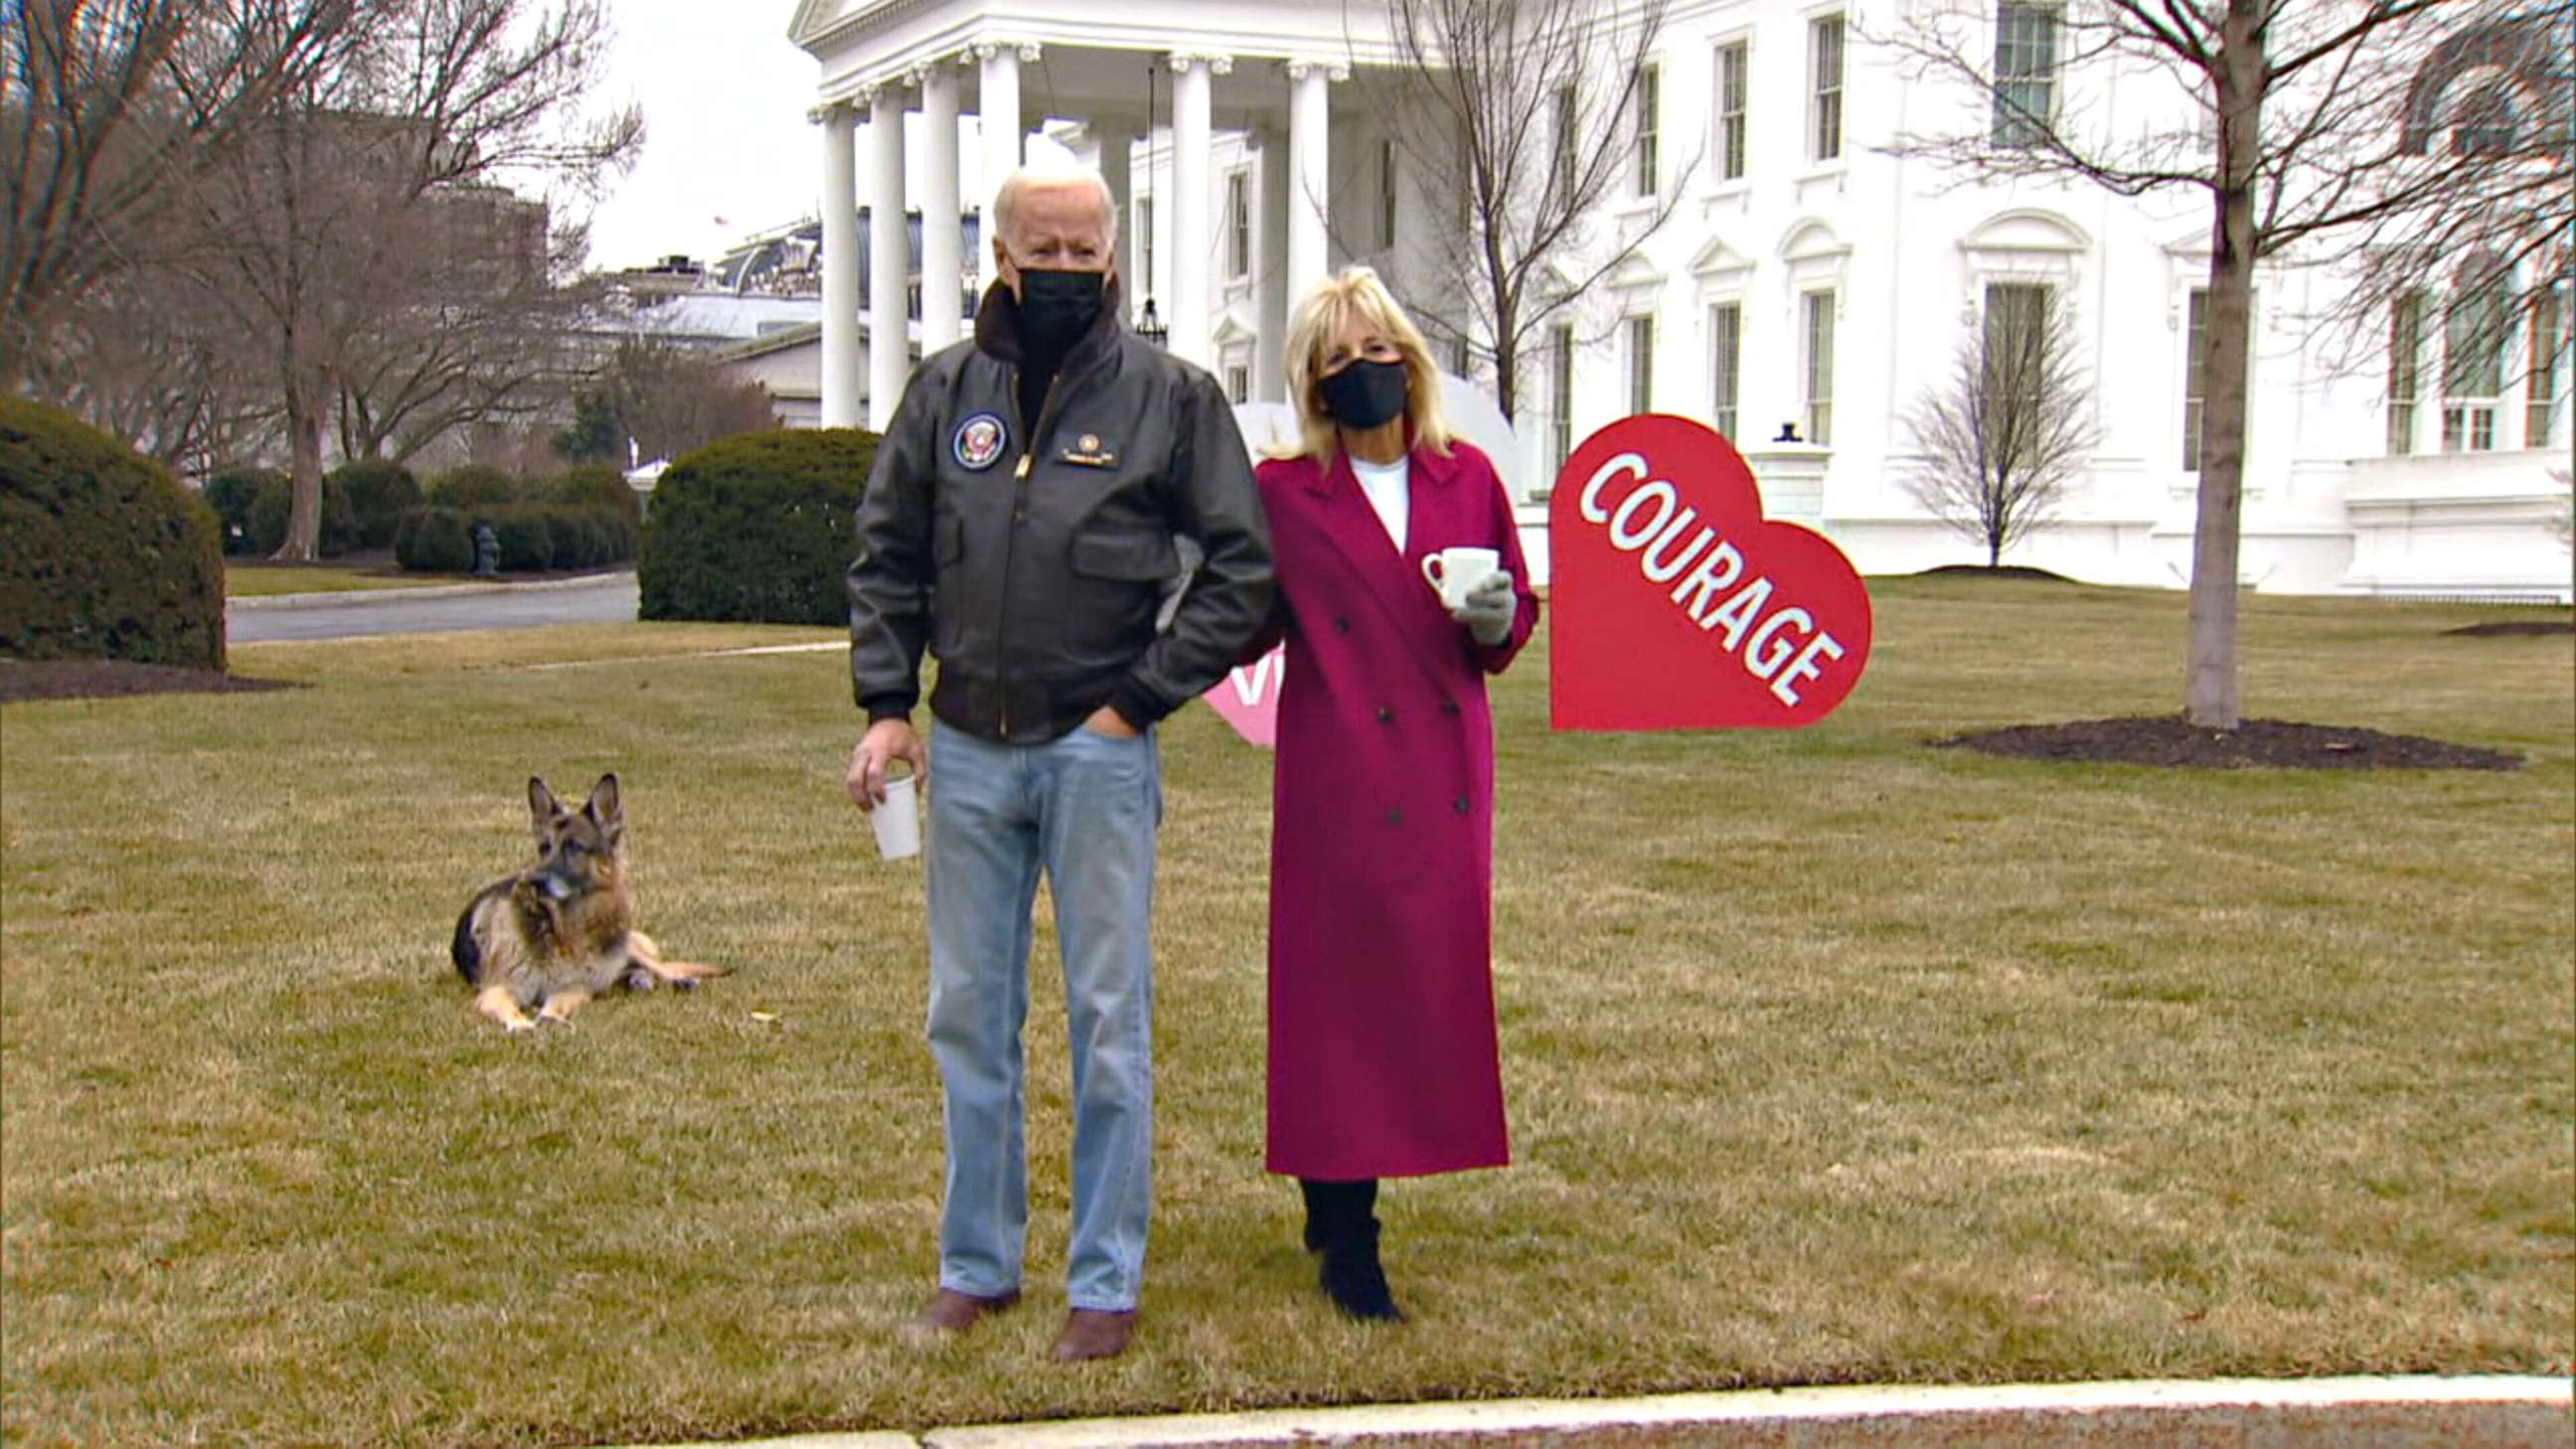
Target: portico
{"type": "Point", "coordinates": [1148, 91]}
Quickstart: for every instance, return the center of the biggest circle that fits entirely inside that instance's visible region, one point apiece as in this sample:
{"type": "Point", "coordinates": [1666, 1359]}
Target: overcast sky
{"type": "Point", "coordinates": [727, 151]}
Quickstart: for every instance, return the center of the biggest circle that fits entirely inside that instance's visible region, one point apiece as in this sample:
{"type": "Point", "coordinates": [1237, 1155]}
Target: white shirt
{"type": "Point", "coordinates": [1387, 491]}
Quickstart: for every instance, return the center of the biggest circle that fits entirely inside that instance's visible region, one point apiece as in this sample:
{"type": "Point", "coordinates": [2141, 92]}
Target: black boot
{"type": "Point", "coordinates": [1342, 1226]}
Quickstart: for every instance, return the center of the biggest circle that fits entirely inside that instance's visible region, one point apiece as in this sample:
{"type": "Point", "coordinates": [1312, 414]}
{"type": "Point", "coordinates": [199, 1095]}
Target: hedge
{"type": "Point", "coordinates": [474, 486]}
{"type": "Point", "coordinates": [269, 512]}
{"type": "Point", "coordinates": [595, 483]}
{"type": "Point", "coordinates": [103, 555]}
{"type": "Point", "coordinates": [756, 529]}
{"type": "Point", "coordinates": [378, 493]}
{"type": "Point", "coordinates": [234, 495]}
{"type": "Point", "coordinates": [437, 540]}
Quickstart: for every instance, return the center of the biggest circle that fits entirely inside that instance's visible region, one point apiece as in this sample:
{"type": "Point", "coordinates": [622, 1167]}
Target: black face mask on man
{"type": "Point", "coordinates": [1057, 308]}
{"type": "Point", "coordinates": [1367, 394]}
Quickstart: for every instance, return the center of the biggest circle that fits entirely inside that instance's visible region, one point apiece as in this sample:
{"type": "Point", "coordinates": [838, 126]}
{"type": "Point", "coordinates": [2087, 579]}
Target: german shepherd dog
{"type": "Point", "coordinates": [560, 932]}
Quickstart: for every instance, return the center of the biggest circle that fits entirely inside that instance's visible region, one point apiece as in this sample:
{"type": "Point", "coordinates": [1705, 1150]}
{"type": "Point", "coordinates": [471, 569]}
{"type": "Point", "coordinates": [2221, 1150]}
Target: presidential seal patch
{"type": "Point", "coordinates": [979, 441]}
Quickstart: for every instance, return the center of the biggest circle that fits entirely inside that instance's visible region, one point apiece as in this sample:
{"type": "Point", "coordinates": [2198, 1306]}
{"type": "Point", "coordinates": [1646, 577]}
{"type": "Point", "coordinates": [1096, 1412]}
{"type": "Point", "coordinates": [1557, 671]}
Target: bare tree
{"type": "Point", "coordinates": [366, 178]}
{"type": "Point", "coordinates": [668, 400]}
{"type": "Point", "coordinates": [1527, 115]}
{"type": "Point", "coordinates": [2292, 130]}
{"type": "Point", "coordinates": [104, 107]}
{"type": "Point", "coordinates": [2011, 428]}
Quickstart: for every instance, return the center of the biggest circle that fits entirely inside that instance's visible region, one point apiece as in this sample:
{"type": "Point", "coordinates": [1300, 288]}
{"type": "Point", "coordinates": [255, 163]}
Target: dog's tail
{"type": "Point", "coordinates": [465, 950]}
{"type": "Point", "coordinates": [643, 951]}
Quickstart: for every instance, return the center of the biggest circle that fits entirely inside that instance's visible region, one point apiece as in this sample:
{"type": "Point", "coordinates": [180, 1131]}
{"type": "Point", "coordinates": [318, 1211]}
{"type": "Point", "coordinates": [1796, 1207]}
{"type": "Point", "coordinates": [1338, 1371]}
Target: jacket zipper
{"type": "Point", "coordinates": [1019, 500]}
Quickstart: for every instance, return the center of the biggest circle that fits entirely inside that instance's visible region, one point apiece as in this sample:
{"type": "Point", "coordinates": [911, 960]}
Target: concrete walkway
{"type": "Point", "coordinates": [2496, 1412]}
{"type": "Point", "coordinates": [588, 599]}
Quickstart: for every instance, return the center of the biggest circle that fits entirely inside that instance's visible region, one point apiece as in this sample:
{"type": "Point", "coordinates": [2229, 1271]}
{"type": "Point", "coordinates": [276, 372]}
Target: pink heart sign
{"type": "Point", "coordinates": [1248, 697]}
{"type": "Point", "coordinates": [1673, 604]}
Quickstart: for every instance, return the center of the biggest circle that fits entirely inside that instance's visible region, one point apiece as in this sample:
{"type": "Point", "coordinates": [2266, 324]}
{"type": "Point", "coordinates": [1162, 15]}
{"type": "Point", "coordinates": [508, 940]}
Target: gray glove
{"type": "Point", "coordinates": [1488, 608]}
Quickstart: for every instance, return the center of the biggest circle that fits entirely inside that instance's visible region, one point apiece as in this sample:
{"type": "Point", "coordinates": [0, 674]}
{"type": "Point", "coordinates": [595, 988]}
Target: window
{"type": "Point", "coordinates": [1561, 162]}
{"type": "Point", "coordinates": [1641, 365]}
{"type": "Point", "coordinates": [1730, 111]}
{"type": "Point", "coordinates": [2016, 328]}
{"type": "Point", "coordinates": [1725, 363]}
{"type": "Point", "coordinates": [1825, 73]}
{"type": "Point", "coordinates": [2540, 406]}
{"type": "Point", "coordinates": [1560, 346]}
{"type": "Point", "coordinates": [1650, 95]}
{"type": "Point", "coordinates": [1461, 357]}
{"type": "Point", "coordinates": [1238, 383]}
{"type": "Point", "coordinates": [2405, 371]}
{"type": "Point", "coordinates": [2025, 96]}
{"type": "Point", "coordinates": [2472, 366]}
{"type": "Point", "coordinates": [2195, 378]}
{"type": "Point", "coordinates": [1386, 192]}
{"type": "Point", "coordinates": [1820, 366]}
{"type": "Point", "coordinates": [1238, 224]}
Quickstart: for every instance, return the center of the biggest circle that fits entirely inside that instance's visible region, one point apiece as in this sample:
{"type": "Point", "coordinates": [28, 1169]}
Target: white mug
{"type": "Point", "coordinates": [1456, 572]}
{"type": "Point", "coordinates": [896, 821]}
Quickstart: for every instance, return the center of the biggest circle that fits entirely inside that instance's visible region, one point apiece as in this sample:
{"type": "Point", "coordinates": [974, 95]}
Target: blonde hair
{"type": "Point", "coordinates": [1320, 317]}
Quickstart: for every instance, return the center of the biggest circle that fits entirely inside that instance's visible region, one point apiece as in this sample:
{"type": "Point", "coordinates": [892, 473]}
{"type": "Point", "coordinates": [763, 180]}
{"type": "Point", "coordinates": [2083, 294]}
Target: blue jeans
{"type": "Point", "coordinates": [1084, 808]}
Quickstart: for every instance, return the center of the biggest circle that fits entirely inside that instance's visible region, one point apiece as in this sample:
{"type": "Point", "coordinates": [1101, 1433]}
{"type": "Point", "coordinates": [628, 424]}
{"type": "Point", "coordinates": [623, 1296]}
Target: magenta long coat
{"type": "Point", "coordinates": [1382, 1055]}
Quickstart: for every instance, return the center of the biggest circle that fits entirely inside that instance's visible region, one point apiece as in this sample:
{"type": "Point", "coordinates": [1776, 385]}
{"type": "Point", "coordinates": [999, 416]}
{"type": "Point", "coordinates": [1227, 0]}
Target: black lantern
{"type": "Point", "coordinates": [1149, 322]}
{"type": "Point", "coordinates": [1149, 325]}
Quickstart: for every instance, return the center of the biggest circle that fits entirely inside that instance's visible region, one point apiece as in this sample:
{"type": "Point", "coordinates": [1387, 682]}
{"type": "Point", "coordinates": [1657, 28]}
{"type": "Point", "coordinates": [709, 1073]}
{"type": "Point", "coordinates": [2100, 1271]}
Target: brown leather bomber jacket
{"type": "Point", "coordinates": [1035, 560]}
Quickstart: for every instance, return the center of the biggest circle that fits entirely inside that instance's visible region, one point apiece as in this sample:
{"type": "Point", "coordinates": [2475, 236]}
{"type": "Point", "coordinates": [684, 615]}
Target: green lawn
{"type": "Point", "coordinates": [1830, 1057]}
{"type": "Point", "coordinates": [252, 580]}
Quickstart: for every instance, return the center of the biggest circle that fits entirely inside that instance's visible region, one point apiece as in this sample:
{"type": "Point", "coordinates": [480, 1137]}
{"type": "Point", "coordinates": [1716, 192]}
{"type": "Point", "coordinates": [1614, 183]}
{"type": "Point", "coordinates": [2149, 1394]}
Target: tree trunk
{"type": "Point", "coordinates": [303, 542]}
{"type": "Point", "coordinates": [2210, 698]}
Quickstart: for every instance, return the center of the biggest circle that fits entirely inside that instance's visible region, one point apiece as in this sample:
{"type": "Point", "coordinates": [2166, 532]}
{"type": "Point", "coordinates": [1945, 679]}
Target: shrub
{"type": "Point", "coordinates": [103, 555]}
{"type": "Point", "coordinates": [527, 542]}
{"type": "Point", "coordinates": [435, 540]}
{"type": "Point", "coordinates": [476, 487]}
{"type": "Point", "coordinates": [269, 511]}
{"type": "Point", "coordinates": [378, 492]}
{"type": "Point", "coordinates": [234, 494]}
{"type": "Point", "coordinates": [593, 484]}
{"type": "Point", "coordinates": [756, 529]}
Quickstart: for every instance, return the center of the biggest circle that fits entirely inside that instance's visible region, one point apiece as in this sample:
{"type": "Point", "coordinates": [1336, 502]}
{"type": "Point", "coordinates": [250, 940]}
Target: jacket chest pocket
{"type": "Point", "coordinates": [1117, 579]}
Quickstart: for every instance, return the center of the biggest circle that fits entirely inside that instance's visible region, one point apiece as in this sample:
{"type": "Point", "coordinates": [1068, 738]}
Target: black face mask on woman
{"type": "Point", "coordinates": [1367, 394]}
{"type": "Point", "coordinates": [1057, 308]}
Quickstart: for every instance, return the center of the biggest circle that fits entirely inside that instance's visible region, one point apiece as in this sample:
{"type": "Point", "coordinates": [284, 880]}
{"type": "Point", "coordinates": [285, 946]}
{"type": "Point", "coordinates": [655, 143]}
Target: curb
{"type": "Point", "coordinates": [431, 591]}
{"type": "Point", "coordinates": [2504, 1411]}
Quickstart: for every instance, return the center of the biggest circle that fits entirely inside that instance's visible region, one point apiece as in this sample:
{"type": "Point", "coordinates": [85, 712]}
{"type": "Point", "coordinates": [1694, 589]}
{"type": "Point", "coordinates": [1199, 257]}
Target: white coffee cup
{"type": "Point", "coordinates": [1456, 572]}
{"type": "Point", "coordinates": [897, 821]}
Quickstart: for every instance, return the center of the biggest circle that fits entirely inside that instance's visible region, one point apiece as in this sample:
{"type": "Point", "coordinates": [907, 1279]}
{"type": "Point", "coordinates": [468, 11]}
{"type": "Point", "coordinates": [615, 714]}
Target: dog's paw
{"type": "Point", "coordinates": [513, 1028]}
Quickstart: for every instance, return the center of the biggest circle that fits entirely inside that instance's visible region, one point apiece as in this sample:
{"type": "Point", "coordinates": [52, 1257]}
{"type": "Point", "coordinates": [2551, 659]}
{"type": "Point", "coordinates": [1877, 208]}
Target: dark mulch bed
{"type": "Point", "coordinates": [2171, 740]}
{"type": "Point", "coordinates": [1999, 571]}
{"type": "Point", "coordinates": [2512, 626]}
{"type": "Point", "coordinates": [106, 678]}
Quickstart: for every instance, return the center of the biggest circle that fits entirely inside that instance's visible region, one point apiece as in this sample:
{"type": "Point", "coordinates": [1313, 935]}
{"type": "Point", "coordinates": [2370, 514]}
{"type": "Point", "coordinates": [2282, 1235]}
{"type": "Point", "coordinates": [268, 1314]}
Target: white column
{"type": "Point", "coordinates": [1004, 134]}
{"type": "Point", "coordinates": [1116, 148]}
{"type": "Point", "coordinates": [1274, 298]}
{"type": "Point", "coordinates": [889, 258]}
{"type": "Point", "coordinates": [943, 234]}
{"type": "Point", "coordinates": [1310, 188]}
{"type": "Point", "coordinates": [841, 371]}
{"type": "Point", "coordinates": [1192, 81]}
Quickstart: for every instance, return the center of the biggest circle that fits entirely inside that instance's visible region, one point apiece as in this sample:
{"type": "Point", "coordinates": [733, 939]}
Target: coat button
{"type": "Point", "coordinates": [1385, 714]}
{"type": "Point", "coordinates": [1395, 817]}
{"type": "Point", "coordinates": [1461, 804]}
{"type": "Point", "coordinates": [1449, 706]}
{"type": "Point", "coordinates": [1341, 626]}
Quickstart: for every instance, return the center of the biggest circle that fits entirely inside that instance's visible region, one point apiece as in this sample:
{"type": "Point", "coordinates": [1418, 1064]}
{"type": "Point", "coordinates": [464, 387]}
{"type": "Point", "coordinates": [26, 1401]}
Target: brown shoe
{"type": "Point", "coordinates": [1093, 1333]}
{"type": "Point", "coordinates": [953, 1312]}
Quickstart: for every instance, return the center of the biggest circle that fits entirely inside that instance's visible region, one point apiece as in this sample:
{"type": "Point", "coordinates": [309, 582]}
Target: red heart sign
{"type": "Point", "coordinates": [1248, 697]}
{"type": "Point", "coordinates": [1674, 605]}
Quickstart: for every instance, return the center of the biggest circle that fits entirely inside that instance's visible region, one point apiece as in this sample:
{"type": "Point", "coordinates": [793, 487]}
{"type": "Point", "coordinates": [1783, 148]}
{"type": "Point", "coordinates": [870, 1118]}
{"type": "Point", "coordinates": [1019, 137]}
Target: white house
{"type": "Point", "coordinates": [1809, 285]}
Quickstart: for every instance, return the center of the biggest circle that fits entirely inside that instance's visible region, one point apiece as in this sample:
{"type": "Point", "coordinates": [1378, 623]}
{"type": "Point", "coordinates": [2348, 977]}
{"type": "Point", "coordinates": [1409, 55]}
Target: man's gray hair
{"type": "Point", "coordinates": [1047, 177]}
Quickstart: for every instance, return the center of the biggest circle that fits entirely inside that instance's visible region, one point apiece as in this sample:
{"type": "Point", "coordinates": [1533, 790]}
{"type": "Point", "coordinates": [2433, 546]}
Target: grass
{"type": "Point", "coordinates": [255, 580]}
{"type": "Point", "coordinates": [1830, 1057]}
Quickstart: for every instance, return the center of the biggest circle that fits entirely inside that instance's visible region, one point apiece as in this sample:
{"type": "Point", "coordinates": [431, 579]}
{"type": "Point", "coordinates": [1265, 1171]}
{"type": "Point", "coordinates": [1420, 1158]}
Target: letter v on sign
{"type": "Point", "coordinates": [1672, 602]}
{"type": "Point", "coordinates": [1248, 697]}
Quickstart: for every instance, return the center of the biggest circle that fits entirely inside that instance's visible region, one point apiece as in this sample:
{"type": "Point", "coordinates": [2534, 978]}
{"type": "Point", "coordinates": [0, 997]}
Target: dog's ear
{"type": "Point", "coordinates": [543, 809]}
{"type": "Point", "coordinates": [606, 809]}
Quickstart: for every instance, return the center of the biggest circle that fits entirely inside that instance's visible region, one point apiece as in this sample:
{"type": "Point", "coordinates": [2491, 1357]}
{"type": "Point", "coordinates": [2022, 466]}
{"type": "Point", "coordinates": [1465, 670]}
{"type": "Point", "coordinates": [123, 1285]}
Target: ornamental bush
{"type": "Point", "coordinates": [475, 487]}
{"type": "Point", "coordinates": [434, 540]}
{"type": "Point", "coordinates": [756, 529]}
{"type": "Point", "coordinates": [234, 495]}
{"type": "Point", "coordinates": [103, 555]}
{"type": "Point", "coordinates": [588, 485]}
{"type": "Point", "coordinates": [527, 540]}
{"type": "Point", "coordinates": [378, 492]}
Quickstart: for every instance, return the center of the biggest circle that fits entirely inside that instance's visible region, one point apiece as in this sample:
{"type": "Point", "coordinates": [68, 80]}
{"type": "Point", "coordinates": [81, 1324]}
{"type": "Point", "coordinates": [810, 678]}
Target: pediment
{"type": "Point", "coordinates": [1636, 273]}
{"type": "Point", "coordinates": [2026, 230]}
{"type": "Point", "coordinates": [1230, 329]}
{"type": "Point", "coordinates": [1812, 240]}
{"type": "Point", "coordinates": [1718, 259]}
